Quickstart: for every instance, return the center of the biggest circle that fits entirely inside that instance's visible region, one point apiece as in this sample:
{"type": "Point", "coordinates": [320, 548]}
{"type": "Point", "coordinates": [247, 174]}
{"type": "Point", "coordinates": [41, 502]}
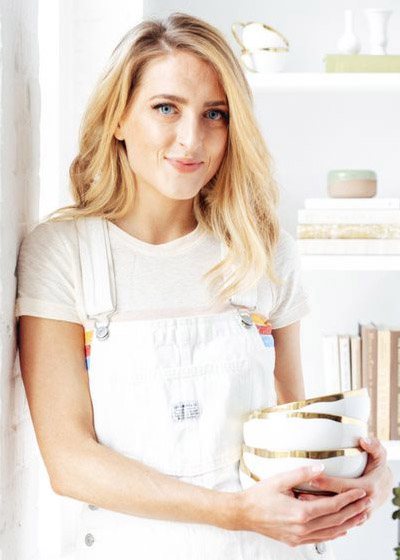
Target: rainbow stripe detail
{"type": "Point", "coordinates": [264, 328]}
{"type": "Point", "coordinates": [88, 342]}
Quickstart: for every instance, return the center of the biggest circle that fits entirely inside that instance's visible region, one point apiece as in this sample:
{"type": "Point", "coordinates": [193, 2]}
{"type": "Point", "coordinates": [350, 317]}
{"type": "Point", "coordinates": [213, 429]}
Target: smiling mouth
{"type": "Point", "coordinates": [184, 167]}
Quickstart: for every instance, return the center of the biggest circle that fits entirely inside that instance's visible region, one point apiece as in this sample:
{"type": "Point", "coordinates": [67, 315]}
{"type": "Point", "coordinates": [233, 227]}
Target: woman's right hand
{"type": "Point", "coordinates": [271, 509]}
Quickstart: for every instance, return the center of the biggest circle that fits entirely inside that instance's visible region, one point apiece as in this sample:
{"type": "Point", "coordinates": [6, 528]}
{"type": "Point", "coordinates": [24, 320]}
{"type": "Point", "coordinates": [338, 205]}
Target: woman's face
{"type": "Point", "coordinates": [158, 128]}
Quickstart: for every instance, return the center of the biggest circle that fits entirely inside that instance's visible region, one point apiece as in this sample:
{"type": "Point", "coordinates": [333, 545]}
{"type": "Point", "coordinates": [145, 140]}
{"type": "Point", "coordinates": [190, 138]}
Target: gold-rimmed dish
{"type": "Point", "coordinates": [355, 404]}
{"type": "Point", "coordinates": [259, 464]}
{"type": "Point", "coordinates": [310, 431]}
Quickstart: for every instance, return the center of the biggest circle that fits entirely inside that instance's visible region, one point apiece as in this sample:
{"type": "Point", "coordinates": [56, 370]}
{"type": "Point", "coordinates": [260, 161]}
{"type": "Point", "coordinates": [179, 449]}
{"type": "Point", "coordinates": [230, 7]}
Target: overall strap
{"type": "Point", "coordinates": [247, 297]}
{"type": "Point", "coordinates": [97, 270]}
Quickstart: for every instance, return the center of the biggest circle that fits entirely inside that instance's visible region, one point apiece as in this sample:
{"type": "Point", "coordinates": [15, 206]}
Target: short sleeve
{"type": "Point", "coordinates": [45, 286]}
{"type": "Point", "coordinates": [290, 300]}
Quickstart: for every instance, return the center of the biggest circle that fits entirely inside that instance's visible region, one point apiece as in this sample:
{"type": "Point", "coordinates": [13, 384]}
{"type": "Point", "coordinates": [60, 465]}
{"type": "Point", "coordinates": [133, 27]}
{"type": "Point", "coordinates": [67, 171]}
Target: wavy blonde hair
{"type": "Point", "coordinates": [239, 203]}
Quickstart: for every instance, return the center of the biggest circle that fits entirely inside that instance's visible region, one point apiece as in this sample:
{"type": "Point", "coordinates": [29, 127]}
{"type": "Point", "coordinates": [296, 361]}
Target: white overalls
{"type": "Point", "coordinates": [173, 393]}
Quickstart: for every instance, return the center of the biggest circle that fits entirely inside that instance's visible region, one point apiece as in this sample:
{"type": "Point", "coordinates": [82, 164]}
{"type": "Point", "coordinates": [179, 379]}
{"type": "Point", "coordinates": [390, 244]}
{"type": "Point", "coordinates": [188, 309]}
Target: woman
{"type": "Point", "coordinates": [165, 274]}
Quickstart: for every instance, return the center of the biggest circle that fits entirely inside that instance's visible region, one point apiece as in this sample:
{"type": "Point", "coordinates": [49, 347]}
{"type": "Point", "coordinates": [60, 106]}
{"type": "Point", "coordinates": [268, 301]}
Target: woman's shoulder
{"type": "Point", "coordinates": [51, 235]}
{"type": "Point", "coordinates": [286, 247]}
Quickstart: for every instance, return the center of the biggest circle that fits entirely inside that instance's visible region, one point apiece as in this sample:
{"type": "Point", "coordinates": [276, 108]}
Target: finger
{"type": "Point", "coordinates": [331, 504]}
{"type": "Point", "coordinates": [335, 483]}
{"type": "Point", "coordinates": [375, 448]}
{"type": "Point", "coordinates": [294, 477]}
{"type": "Point", "coordinates": [349, 514]}
{"type": "Point", "coordinates": [332, 531]}
{"type": "Point", "coordinates": [309, 497]}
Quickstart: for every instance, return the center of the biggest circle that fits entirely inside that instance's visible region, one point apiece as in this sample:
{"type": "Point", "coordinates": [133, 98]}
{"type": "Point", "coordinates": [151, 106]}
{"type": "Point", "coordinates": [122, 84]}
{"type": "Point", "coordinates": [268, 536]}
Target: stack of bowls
{"type": "Point", "coordinates": [264, 49]}
{"type": "Point", "coordinates": [324, 429]}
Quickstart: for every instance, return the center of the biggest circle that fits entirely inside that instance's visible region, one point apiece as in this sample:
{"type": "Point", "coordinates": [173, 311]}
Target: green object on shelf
{"type": "Point", "coordinates": [362, 62]}
{"type": "Point", "coordinates": [347, 174]}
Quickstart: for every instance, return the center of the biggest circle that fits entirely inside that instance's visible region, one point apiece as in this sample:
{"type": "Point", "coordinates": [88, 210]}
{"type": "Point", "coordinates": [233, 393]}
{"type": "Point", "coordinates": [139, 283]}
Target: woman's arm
{"type": "Point", "coordinates": [288, 374]}
{"type": "Point", "coordinates": [56, 384]}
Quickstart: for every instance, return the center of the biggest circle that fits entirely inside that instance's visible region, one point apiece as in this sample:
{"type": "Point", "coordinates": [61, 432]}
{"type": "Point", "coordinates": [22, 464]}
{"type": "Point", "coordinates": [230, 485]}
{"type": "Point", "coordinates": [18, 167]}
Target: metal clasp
{"type": "Point", "coordinates": [102, 330]}
{"type": "Point", "coordinates": [244, 314]}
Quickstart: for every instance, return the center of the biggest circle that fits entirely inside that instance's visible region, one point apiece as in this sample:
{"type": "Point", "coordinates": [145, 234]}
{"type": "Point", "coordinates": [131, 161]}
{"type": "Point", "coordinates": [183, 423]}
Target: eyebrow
{"type": "Point", "coordinates": [179, 99]}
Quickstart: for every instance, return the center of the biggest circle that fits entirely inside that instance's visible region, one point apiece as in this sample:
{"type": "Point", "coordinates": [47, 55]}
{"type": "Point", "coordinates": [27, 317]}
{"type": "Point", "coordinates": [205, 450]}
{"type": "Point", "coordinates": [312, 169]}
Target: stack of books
{"type": "Point", "coordinates": [369, 359]}
{"type": "Point", "coordinates": [362, 62]}
{"type": "Point", "coordinates": [349, 226]}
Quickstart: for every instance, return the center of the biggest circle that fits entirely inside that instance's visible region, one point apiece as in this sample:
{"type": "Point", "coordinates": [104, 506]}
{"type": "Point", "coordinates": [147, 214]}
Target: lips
{"type": "Point", "coordinates": [186, 161]}
{"type": "Point", "coordinates": [183, 166]}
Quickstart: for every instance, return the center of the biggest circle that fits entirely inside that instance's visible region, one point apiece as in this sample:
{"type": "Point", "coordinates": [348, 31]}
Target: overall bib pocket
{"type": "Point", "coordinates": [184, 420]}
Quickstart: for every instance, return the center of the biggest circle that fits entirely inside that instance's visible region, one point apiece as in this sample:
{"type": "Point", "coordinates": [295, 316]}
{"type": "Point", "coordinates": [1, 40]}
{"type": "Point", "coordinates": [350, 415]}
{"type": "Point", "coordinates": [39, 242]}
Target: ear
{"type": "Point", "coordinates": [118, 133]}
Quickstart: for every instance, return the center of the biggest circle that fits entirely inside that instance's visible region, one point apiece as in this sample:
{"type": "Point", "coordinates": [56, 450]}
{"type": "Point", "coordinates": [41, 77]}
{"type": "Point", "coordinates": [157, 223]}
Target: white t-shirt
{"type": "Point", "coordinates": [152, 281]}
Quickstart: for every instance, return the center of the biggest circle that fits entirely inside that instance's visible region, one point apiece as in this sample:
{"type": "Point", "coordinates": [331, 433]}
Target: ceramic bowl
{"type": "Point", "coordinates": [307, 431]}
{"type": "Point", "coordinates": [264, 60]}
{"type": "Point", "coordinates": [259, 464]}
{"type": "Point", "coordinates": [355, 404]}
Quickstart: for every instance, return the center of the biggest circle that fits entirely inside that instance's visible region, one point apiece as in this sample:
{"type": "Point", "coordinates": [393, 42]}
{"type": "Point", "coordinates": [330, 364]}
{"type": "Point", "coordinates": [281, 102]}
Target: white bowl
{"type": "Point", "coordinates": [259, 464]}
{"type": "Point", "coordinates": [355, 404]}
{"type": "Point", "coordinates": [309, 431]}
{"type": "Point", "coordinates": [264, 61]}
{"type": "Point", "coordinates": [254, 468]}
{"type": "Point", "coordinates": [256, 36]}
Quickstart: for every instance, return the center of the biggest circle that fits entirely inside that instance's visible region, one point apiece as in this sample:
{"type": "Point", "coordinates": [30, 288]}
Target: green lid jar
{"type": "Point", "coordinates": [352, 183]}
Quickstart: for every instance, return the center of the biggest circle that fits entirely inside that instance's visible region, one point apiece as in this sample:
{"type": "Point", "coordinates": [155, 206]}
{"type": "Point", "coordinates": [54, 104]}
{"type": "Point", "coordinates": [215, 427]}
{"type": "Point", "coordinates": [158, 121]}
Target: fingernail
{"type": "Point", "coordinates": [368, 440]}
{"type": "Point", "coordinates": [317, 468]}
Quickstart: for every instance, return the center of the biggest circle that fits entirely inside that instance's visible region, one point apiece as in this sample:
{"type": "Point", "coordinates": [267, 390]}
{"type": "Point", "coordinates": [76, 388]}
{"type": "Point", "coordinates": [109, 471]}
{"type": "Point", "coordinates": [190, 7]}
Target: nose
{"type": "Point", "coordinates": [190, 133]}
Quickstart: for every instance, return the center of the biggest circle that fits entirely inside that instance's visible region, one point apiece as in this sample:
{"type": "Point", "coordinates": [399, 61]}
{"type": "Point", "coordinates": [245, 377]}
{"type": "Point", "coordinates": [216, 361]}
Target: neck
{"type": "Point", "coordinates": [157, 222]}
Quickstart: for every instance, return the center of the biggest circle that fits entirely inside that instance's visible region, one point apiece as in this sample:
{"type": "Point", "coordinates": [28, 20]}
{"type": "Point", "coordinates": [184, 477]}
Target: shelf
{"type": "Point", "coordinates": [385, 82]}
{"type": "Point", "coordinates": [393, 449]}
{"type": "Point", "coordinates": [351, 262]}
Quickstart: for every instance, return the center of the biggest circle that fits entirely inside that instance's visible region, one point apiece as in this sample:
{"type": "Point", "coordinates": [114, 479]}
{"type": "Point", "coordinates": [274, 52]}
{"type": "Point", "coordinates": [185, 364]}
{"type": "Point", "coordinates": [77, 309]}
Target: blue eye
{"type": "Point", "coordinates": [159, 105]}
{"type": "Point", "coordinates": [223, 114]}
{"type": "Point", "coordinates": [162, 105]}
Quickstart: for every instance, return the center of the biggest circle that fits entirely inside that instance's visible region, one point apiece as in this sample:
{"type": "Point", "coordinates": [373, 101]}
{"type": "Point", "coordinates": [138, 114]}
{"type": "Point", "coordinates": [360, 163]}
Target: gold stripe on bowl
{"type": "Point", "coordinates": [309, 415]}
{"type": "Point", "coordinates": [323, 454]}
{"type": "Point", "coordinates": [323, 398]}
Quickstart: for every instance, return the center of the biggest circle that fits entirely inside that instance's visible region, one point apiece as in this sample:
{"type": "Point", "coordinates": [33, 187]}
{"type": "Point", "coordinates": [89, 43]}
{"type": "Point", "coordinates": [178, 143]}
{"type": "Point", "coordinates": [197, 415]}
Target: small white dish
{"type": "Point", "coordinates": [310, 431]}
{"type": "Point", "coordinates": [354, 404]}
{"type": "Point", "coordinates": [264, 60]}
{"type": "Point", "coordinates": [349, 462]}
{"type": "Point", "coordinates": [261, 464]}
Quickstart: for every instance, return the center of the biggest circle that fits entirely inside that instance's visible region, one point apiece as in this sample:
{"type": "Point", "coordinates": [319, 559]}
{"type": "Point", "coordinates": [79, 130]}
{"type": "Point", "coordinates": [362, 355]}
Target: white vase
{"type": "Point", "coordinates": [378, 22]}
{"type": "Point", "coordinates": [348, 42]}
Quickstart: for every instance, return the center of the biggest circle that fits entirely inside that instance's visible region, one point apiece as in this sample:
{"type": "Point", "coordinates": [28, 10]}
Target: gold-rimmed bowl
{"type": "Point", "coordinates": [306, 431]}
{"type": "Point", "coordinates": [354, 404]}
{"type": "Point", "coordinates": [260, 464]}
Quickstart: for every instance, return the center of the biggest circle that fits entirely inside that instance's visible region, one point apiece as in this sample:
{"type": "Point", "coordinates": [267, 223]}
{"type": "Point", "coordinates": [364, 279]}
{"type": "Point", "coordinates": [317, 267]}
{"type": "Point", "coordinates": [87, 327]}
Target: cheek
{"type": "Point", "coordinates": [218, 147]}
{"type": "Point", "coordinates": [147, 143]}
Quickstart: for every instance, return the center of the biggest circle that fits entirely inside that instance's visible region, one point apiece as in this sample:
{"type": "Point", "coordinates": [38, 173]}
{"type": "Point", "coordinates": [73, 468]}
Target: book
{"type": "Point", "coordinates": [355, 356]}
{"type": "Point", "coordinates": [383, 385]}
{"type": "Point", "coordinates": [369, 348]}
{"type": "Point", "coordinates": [352, 203]}
{"type": "Point", "coordinates": [362, 62]}
{"type": "Point", "coordinates": [348, 231]}
{"type": "Point", "coordinates": [349, 246]}
{"type": "Point", "coordinates": [346, 216]}
{"type": "Point", "coordinates": [395, 385]}
{"type": "Point", "coordinates": [330, 355]}
{"type": "Point", "coordinates": [344, 361]}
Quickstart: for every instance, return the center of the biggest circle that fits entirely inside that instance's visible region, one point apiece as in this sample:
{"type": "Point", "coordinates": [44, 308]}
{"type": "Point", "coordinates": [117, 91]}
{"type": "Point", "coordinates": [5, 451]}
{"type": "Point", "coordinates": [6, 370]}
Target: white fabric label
{"type": "Point", "coordinates": [185, 411]}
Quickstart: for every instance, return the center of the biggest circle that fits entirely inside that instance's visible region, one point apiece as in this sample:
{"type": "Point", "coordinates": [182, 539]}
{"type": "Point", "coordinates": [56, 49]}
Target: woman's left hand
{"type": "Point", "coordinates": [377, 478]}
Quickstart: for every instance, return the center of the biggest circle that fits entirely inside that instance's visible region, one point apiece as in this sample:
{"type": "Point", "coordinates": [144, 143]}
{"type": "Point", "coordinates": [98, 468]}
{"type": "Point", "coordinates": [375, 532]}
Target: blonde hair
{"type": "Point", "coordinates": [238, 204]}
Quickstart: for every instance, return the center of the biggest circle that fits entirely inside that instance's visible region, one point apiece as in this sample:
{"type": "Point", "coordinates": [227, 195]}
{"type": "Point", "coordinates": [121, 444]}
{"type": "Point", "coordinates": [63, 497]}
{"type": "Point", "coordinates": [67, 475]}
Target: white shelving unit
{"type": "Point", "coordinates": [386, 82]}
{"type": "Point", "coordinates": [351, 262]}
{"type": "Point", "coordinates": [393, 449]}
{"type": "Point", "coordinates": [341, 83]}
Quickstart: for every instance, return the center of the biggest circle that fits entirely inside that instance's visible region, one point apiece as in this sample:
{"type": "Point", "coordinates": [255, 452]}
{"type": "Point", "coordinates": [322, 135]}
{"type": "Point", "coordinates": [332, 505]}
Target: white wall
{"type": "Point", "coordinates": [19, 196]}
